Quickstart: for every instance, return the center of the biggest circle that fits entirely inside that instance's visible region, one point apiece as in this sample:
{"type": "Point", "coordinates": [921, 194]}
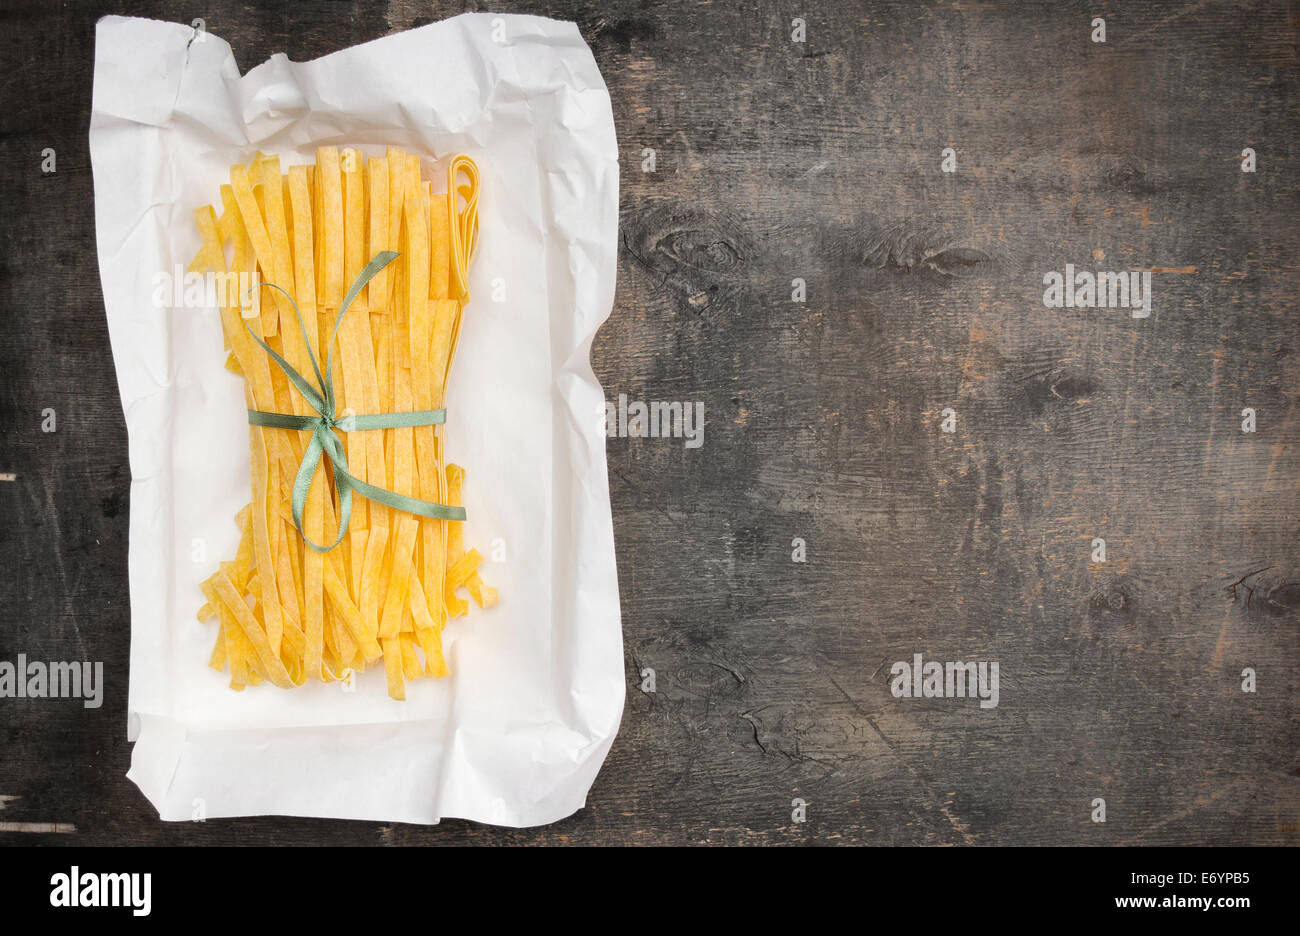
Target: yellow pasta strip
{"type": "Point", "coordinates": [258, 391]}
{"type": "Point", "coordinates": [342, 642]}
{"type": "Point", "coordinates": [330, 184]}
{"type": "Point", "coordinates": [268, 659]}
{"type": "Point", "coordinates": [428, 463]}
{"type": "Point", "coordinates": [439, 249]}
{"type": "Point", "coordinates": [354, 352]}
{"type": "Point", "coordinates": [229, 214]}
{"type": "Point", "coordinates": [417, 309]}
{"type": "Point", "coordinates": [374, 577]}
{"type": "Point", "coordinates": [218, 659]}
{"type": "Point", "coordinates": [211, 256]}
{"type": "Point", "coordinates": [435, 664]}
{"type": "Point", "coordinates": [393, 667]}
{"type": "Point", "coordinates": [405, 480]}
{"type": "Point", "coordinates": [373, 466]}
{"type": "Point", "coordinates": [288, 585]}
{"type": "Point", "coordinates": [286, 198]}
{"type": "Point", "coordinates": [278, 233]}
{"type": "Point", "coordinates": [411, 668]}
{"type": "Point", "coordinates": [436, 564]}
{"type": "Point", "coordinates": [270, 598]}
{"type": "Point", "coordinates": [377, 197]}
{"type": "Point", "coordinates": [362, 633]}
{"type": "Point", "coordinates": [300, 199]}
{"type": "Point", "coordinates": [306, 601]}
{"type": "Point", "coordinates": [427, 631]}
{"type": "Point", "coordinates": [455, 532]}
{"type": "Point", "coordinates": [355, 252]}
{"type": "Point", "coordinates": [318, 232]}
{"type": "Point", "coordinates": [372, 570]}
{"type": "Point", "coordinates": [396, 200]}
{"type": "Point", "coordinates": [464, 222]}
{"type": "Point", "coordinates": [485, 596]}
{"type": "Point", "coordinates": [461, 569]}
{"type": "Point", "coordinates": [413, 188]}
{"type": "Point", "coordinates": [242, 567]}
{"type": "Point", "coordinates": [291, 655]}
{"type": "Point", "coordinates": [252, 359]}
{"type": "Point", "coordinates": [403, 540]}
{"type": "Point", "coordinates": [443, 313]}
{"type": "Point", "coordinates": [314, 520]}
{"type": "Point", "coordinates": [451, 606]}
{"type": "Point", "coordinates": [255, 228]}
{"type": "Point", "coordinates": [238, 652]}
{"type": "Point", "coordinates": [315, 179]}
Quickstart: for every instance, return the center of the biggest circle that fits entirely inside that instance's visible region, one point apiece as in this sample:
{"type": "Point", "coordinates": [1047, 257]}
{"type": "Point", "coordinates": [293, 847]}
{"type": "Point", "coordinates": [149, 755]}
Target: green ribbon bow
{"type": "Point", "coordinates": [324, 441]}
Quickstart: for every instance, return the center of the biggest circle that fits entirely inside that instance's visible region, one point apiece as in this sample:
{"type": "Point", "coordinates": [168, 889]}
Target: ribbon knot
{"type": "Point", "coordinates": [324, 441]}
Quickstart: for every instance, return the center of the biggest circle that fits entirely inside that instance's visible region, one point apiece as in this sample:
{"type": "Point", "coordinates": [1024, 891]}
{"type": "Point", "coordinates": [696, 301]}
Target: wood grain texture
{"type": "Point", "coordinates": [817, 160]}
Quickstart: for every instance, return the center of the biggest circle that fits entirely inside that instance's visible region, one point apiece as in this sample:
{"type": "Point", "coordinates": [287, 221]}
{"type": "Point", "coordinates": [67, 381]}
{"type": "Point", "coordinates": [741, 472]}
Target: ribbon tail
{"type": "Point", "coordinates": [408, 504]}
{"type": "Point", "coordinates": [302, 485]}
{"type": "Point", "coordinates": [297, 379]}
{"type": "Point", "coordinates": [343, 482]}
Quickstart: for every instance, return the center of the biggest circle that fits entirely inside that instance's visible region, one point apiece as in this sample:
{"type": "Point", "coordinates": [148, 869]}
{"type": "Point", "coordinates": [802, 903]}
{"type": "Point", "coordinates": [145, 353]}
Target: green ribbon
{"type": "Point", "coordinates": [325, 442]}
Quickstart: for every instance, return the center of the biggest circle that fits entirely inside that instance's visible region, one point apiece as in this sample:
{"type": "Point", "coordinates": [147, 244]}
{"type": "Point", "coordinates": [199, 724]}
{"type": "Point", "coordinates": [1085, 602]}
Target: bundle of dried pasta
{"type": "Point", "coordinates": [352, 547]}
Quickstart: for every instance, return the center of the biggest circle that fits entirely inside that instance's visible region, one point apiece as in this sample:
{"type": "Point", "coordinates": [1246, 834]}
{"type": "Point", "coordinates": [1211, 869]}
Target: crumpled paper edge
{"type": "Point", "coordinates": [168, 742]}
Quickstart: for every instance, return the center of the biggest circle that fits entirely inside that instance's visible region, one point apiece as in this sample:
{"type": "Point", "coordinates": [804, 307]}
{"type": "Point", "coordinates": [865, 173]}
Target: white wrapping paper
{"type": "Point", "coordinates": [515, 735]}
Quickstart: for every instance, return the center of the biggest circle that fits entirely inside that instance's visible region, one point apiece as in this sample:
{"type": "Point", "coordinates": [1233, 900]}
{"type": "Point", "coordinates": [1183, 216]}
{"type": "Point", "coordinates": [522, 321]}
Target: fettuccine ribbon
{"type": "Point", "coordinates": [325, 442]}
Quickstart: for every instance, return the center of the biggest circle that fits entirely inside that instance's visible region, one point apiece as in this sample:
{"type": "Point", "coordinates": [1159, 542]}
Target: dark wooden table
{"type": "Point", "coordinates": [818, 160]}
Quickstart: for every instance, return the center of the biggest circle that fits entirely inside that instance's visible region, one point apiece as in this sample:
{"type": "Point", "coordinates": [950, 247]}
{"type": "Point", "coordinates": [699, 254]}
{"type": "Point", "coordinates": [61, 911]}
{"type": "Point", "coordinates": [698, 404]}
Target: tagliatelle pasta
{"type": "Point", "coordinates": [345, 370]}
